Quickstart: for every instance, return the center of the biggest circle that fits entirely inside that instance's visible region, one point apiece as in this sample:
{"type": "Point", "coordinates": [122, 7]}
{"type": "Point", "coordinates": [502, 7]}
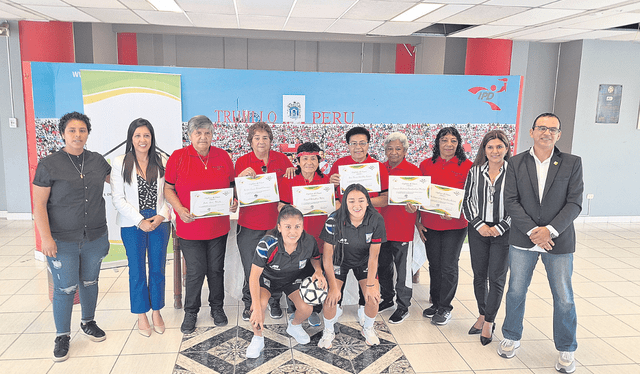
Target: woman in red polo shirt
{"type": "Point", "coordinates": [255, 220]}
{"type": "Point", "coordinates": [444, 235]}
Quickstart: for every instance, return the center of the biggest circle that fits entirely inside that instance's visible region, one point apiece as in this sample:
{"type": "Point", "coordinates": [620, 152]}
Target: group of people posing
{"type": "Point", "coordinates": [514, 211]}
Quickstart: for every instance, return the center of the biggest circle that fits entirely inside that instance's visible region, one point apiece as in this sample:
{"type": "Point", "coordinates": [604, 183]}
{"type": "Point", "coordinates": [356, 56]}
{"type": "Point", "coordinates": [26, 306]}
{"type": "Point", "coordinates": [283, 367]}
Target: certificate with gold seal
{"type": "Point", "coordinates": [410, 189]}
{"type": "Point", "coordinates": [368, 175]}
{"type": "Point", "coordinates": [261, 189]}
{"type": "Point", "coordinates": [444, 200]}
{"type": "Point", "coordinates": [211, 203]}
{"type": "Point", "coordinates": [314, 200]}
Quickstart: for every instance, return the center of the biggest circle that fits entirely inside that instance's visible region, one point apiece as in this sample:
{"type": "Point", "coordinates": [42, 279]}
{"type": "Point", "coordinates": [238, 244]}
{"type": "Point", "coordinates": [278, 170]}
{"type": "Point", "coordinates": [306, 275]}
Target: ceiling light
{"type": "Point", "coordinates": [166, 5]}
{"type": "Point", "coordinates": [416, 12]}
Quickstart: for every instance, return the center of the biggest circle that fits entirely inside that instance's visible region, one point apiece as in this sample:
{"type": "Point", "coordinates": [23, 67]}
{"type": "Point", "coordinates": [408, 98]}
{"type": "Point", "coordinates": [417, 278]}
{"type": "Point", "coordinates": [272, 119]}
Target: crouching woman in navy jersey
{"type": "Point", "coordinates": [279, 265]}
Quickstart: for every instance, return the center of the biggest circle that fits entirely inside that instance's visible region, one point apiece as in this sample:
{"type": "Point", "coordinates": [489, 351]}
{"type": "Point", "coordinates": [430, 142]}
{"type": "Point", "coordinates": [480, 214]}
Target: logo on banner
{"type": "Point", "coordinates": [293, 108]}
{"type": "Point", "coordinates": [488, 94]}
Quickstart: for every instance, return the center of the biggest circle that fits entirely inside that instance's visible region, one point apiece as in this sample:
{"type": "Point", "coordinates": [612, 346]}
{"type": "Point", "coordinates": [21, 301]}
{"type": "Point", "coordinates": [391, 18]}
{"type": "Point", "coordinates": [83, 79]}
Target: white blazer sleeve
{"type": "Point", "coordinates": [118, 195]}
{"type": "Point", "coordinates": [164, 209]}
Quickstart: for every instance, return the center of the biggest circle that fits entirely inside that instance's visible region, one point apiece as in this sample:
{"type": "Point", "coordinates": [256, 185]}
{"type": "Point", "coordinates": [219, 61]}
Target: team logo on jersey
{"type": "Point", "coordinates": [336, 269]}
{"type": "Point", "coordinates": [266, 282]}
{"type": "Point", "coordinates": [275, 267]}
{"type": "Point", "coordinates": [368, 237]}
{"type": "Point", "coordinates": [302, 264]}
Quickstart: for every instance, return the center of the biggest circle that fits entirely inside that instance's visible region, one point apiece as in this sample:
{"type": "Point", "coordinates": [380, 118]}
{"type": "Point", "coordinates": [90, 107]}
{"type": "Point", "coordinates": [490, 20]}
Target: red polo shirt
{"type": "Point", "coordinates": [263, 216]}
{"type": "Point", "coordinates": [397, 221]}
{"type": "Point", "coordinates": [185, 170]}
{"type": "Point", "coordinates": [312, 224]}
{"type": "Point", "coordinates": [450, 174]}
{"type": "Point", "coordinates": [348, 160]}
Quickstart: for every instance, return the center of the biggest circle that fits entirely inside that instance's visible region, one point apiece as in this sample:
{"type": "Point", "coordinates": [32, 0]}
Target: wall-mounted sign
{"type": "Point", "coordinates": [609, 99]}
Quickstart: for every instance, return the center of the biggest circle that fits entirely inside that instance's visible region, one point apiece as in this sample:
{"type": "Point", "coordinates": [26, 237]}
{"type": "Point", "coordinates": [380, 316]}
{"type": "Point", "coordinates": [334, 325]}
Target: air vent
{"type": "Point", "coordinates": [441, 29]}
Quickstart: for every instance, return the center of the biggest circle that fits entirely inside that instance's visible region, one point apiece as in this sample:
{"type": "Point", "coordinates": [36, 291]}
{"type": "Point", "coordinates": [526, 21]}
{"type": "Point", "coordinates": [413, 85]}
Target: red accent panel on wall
{"type": "Point", "coordinates": [127, 48]}
{"type": "Point", "coordinates": [46, 41]}
{"type": "Point", "coordinates": [488, 57]}
{"type": "Point", "coordinates": [405, 59]}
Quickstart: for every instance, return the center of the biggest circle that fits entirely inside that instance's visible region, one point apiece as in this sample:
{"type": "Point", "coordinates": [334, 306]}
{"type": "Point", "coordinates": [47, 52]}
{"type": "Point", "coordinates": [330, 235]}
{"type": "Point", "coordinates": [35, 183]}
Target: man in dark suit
{"type": "Point", "coordinates": [543, 196]}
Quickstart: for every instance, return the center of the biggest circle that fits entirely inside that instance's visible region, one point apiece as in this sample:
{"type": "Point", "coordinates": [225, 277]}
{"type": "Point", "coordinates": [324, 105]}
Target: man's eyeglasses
{"type": "Point", "coordinates": [361, 144]}
{"type": "Point", "coordinates": [552, 130]}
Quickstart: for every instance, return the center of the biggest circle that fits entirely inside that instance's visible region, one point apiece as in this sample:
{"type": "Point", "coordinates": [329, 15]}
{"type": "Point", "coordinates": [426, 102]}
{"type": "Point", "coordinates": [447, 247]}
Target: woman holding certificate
{"type": "Point", "coordinates": [489, 225]}
{"type": "Point", "coordinates": [353, 235]}
{"type": "Point", "coordinates": [444, 235]}
{"type": "Point", "coordinates": [137, 190]}
{"type": "Point", "coordinates": [279, 266]}
{"type": "Point", "coordinates": [255, 220]}
{"type": "Point", "coordinates": [200, 166]}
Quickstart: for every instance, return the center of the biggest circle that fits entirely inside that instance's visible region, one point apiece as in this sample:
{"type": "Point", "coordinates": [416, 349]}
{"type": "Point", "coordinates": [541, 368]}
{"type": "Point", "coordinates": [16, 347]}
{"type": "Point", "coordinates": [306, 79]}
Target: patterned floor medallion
{"type": "Point", "coordinates": [222, 350]}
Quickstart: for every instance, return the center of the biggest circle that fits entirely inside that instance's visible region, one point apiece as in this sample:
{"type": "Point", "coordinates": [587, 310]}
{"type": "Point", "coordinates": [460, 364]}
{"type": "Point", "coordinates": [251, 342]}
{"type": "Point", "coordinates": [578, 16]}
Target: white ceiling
{"type": "Point", "coordinates": [533, 20]}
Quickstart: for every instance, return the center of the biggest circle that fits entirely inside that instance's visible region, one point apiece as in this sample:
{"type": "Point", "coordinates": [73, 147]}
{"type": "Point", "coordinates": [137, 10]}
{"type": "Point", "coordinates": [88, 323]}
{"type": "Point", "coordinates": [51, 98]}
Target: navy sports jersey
{"type": "Point", "coordinates": [356, 240]}
{"type": "Point", "coordinates": [280, 266]}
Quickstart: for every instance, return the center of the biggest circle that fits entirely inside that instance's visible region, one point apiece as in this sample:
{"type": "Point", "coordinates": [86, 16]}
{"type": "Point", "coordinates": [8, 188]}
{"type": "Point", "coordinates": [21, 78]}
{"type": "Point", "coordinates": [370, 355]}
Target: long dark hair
{"type": "Point", "coordinates": [481, 157]}
{"type": "Point", "coordinates": [309, 147]}
{"type": "Point", "coordinates": [154, 167]}
{"type": "Point", "coordinates": [436, 145]}
{"type": "Point", "coordinates": [342, 215]}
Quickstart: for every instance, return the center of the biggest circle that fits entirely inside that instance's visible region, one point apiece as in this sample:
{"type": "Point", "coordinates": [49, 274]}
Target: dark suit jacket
{"type": "Point", "coordinates": [561, 199]}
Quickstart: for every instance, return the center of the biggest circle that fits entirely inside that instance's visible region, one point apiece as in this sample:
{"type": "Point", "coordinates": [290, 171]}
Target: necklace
{"type": "Point", "coordinates": [81, 167]}
{"type": "Point", "coordinates": [203, 162]}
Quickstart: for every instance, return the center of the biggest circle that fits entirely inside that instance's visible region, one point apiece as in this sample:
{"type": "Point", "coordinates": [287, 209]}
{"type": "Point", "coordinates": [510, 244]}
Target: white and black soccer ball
{"type": "Point", "coordinates": [311, 293]}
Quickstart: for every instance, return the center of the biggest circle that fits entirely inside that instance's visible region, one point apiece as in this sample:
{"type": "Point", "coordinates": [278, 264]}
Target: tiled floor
{"type": "Point", "coordinates": [606, 283]}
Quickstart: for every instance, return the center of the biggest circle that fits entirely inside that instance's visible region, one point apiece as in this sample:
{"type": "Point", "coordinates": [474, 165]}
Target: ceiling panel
{"type": "Point", "coordinates": [536, 16]}
{"type": "Point", "coordinates": [222, 21]}
{"type": "Point", "coordinates": [105, 4]}
{"type": "Point", "coordinates": [321, 9]}
{"type": "Point", "coordinates": [40, 2]}
{"type": "Point", "coordinates": [375, 10]}
{"type": "Point", "coordinates": [137, 4]}
{"type": "Point", "coordinates": [582, 4]}
{"type": "Point", "coordinates": [114, 15]}
{"type": "Point", "coordinates": [353, 26]}
{"type": "Point", "coordinates": [7, 15]}
{"type": "Point", "coordinates": [597, 34]}
{"type": "Point", "coordinates": [549, 34]}
{"type": "Point", "coordinates": [278, 8]}
{"type": "Point", "coordinates": [17, 13]}
{"type": "Point", "coordinates": [456, 1]}
{"type": "Point", "coordinates": [484, 31]}
{"type": "Point", "coordinates": [398, 28]}
{"type": "Point", "coordinates": [261, 22]}
{"type": "Point", "coordinates": [481, 14]}
{"type": "Point", "coordinates": [68, 14]}
{"type": "Point", "coordinates": [632, 36]}
{"type": "Point", "coordinates": [308, 24]}
{"type": "Point", "coordinates": [524, 3]}
{"type": "Point", "coordinates": [441, 13]}
{"type": "Point", "coordinates": [207, 6]}
{"type": "Point", "coordinates": [607, 22]}
{"type": "Point", "coordinates": [164, 18]}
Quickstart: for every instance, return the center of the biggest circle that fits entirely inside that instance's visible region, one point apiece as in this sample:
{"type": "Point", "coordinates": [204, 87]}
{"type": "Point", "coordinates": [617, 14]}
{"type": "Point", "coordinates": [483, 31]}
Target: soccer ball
{"type": "Point", "coordinates": [311, 293]}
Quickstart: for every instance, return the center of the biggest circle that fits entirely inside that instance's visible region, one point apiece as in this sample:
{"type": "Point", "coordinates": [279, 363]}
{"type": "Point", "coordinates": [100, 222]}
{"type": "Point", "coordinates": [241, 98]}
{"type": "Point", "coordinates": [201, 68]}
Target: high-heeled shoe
{"type": "Point", "coordinates": [474, 331]}
{"type": "Point", "coordinates": [488, 340]}
{"type": "Point", "coordinates": [158, 328]}
{"type": "Point", "coordinates": [144, 332]}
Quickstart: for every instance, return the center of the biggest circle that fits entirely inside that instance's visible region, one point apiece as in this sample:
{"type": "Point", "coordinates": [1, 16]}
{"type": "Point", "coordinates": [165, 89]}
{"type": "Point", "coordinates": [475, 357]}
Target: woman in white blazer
{"type": "Point", "coordinates": [137, 188]}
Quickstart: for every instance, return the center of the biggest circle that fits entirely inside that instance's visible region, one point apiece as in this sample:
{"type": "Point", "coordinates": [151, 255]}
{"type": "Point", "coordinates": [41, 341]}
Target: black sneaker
{"type": "Point", "coordinates": [219, 318]}
{"type": "Point", "coordinates": [430, 311]}
{"type": "Point", "coordinates": [61, 349]}
{"type": "Point", "coordinates": [92, 330]}
{"type": "Point", "coordinates": [189, 323]}
{"type": "Point", "coordinates": [442, 317]}
{"type": "Point", "coordinates": [385, 305]}
{"type": "Point", "coordinates": [399, 315]}
{"type": "Point", "coordinates": [246, 313]}
{"type": "Point", "coordinates": [275, 311]}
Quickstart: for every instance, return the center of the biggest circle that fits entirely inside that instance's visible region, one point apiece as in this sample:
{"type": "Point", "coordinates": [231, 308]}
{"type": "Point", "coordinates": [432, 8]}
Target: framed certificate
{"type": "Point", "coordinates": [315, 200]}
{"type": "Point", "coordinates": [410, 189]}
{"type": "Point", "coordinates": [211, 203]}
{"type": "Point", "coordinates": [261, 189]}
{"type": "Point", "coordinates": [444, 200]}
{"type": "Point", "coordinates": [368, 175]}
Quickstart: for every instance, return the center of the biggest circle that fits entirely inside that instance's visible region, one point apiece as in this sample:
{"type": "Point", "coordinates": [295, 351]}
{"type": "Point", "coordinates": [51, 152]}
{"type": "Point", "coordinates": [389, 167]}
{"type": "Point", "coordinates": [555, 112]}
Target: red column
{"type": "Point", "coordinates": [127, 48]}
{"type": "Point", "coordinates": [405, 59]}
{"type": "Point", "coordinates": [488, 57]}
{"type": "Point", "coordinates": [46, 41]}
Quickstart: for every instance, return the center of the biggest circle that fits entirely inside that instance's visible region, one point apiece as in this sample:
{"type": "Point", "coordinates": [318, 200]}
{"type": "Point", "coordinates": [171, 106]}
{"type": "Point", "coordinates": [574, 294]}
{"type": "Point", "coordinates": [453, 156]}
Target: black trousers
{"type": "Point", "coordinates": [247, 240]}
{"type": "Point", "coordinates": [490, 262]}
{"type": "Point", "coordinates": [204, 258]}
{"type": "Point", "coordinates": [443, 253]}
{"type": "Point", "coordinates": [399, 254]}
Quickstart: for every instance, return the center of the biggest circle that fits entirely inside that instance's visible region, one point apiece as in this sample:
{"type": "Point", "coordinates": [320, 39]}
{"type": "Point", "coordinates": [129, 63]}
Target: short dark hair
{"type": "Point", "coordinates": [357, 130]}
{"type": "Point", "coordinates": [547, 115]}
{"type": "Point", "coordinates": [64, 120]}
{"type": "Point", "coordinates": [308, 147]}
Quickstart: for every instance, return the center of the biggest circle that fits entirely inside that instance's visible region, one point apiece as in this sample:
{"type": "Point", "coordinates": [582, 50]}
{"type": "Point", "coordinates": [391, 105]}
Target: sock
{"type": "Point", "coordinates": [368, 321]}
{"type": "Point", "coordinates": [328, 323]}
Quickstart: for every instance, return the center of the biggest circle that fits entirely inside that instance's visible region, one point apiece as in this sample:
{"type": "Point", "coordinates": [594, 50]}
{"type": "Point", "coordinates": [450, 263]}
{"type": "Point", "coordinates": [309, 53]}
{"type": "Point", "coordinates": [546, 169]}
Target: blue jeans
{"type": "Point", "coordinates": [137, 244]}
{"type": "Point", "coordinates": [75, 262]}
{"type": "Point", "coordinates": [559, 269]}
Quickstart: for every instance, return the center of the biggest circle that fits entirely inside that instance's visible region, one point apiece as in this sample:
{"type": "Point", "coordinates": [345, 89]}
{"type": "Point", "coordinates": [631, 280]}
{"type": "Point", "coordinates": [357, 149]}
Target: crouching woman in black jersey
{"type": "Point", "coordinates": [352, 235]}
{"type": "Point", "coordinates": [279, 265]}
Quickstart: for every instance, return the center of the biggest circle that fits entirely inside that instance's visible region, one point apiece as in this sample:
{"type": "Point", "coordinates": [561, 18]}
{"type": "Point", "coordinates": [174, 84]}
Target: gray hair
{"type": "Point", "coordinates": [402, 138]}
{"type": "Point", "coordinates": [199, 122]}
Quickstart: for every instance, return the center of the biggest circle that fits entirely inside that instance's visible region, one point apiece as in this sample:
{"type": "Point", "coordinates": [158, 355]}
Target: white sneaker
{"type": "Point", "coordinates": [298, 333]}
{"type": "Point", "coordinates": [370, 336]}
{"type": "Point", "coordinates": [508, 347]}
{"type": "Point", "coordinates": [256, 346]}
{"type": "Point", "coordinates": [566, 363]}
{"type": "Point", "coordinates": [361, 315]}
{"type": "Point", "coordinates": [327, 339]}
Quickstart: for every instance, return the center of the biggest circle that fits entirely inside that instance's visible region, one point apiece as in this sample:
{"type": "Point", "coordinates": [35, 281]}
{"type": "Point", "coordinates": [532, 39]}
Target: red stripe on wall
{"type": "Point", "coordinates": [46, 41]}
{"type": "Point", "coordinates": [405, 59]}
{"type": "Point", "coordinates": [127, 48]}
{"type": "Point", "coordinates": [488, 57]}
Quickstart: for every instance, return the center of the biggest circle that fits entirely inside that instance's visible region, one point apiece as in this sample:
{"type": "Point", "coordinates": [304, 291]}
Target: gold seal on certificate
{"type": "Point", "coordinates": [410, 189]}
{"type": "Point", "coordinates": [368, 175]}
{"type": "Point", "coordinates": [315, 200]}
{"type": "Point", "coordinates": [261, 189]}
{"type": "Point", "coordinates": [211, 203]}
{"type": "Point", "coordinates": [445, 200]}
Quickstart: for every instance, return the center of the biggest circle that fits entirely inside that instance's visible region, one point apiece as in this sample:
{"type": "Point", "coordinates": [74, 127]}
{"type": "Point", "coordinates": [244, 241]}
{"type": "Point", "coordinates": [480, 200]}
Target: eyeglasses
{"type": "Point", "coordinates": [264, 169]}
{"type": "Point", "coordinates": [552, 130]}
{"type": "Point", "coordinates": [361, 144]}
